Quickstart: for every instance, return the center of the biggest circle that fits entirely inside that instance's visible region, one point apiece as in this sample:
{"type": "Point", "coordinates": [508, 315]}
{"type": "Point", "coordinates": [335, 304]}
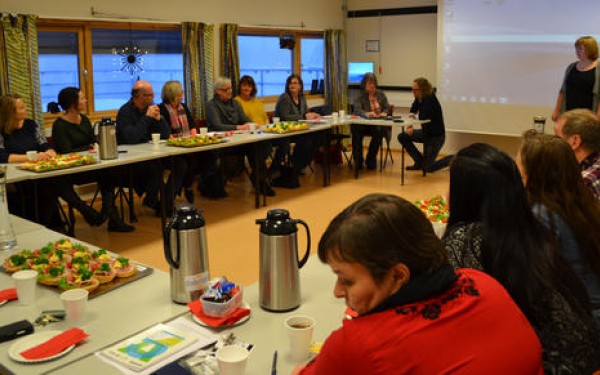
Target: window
{"type": "Point", "coordinates": [263, 57]}
{"type": "Point", "coordinates": [105, 59]}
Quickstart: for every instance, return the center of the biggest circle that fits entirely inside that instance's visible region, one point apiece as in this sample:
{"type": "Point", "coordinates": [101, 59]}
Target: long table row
{"type": "Point", "coordinates": [141, 304]}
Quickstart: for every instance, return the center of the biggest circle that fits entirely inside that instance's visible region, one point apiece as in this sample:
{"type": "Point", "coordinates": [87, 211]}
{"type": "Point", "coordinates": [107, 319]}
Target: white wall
{"type": "Point", "coordinates": [315, 14]}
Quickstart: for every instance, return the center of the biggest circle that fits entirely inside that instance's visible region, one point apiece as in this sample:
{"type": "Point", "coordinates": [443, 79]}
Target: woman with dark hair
{"type": "Point", "coordinates": [492, 228]}
{"type": "Point", "coordinates": [581, 83]}
{"type": "Point", "coordinates": [73, 132]}
{"type": "Point", "coordinates": [415, 314]}
{"type": "Point", "coordinates": [291, 106]}
{"type": "Point", "coordinates": [370, 103]}
{"type": "Point", "coordinates": [18, 134]}
{"type": "Point", "coordinates": [432, 134]}
{"type": "Point", "coordinates": [564, 205]}
{"type": "Point", "coordinates": [252, 107]}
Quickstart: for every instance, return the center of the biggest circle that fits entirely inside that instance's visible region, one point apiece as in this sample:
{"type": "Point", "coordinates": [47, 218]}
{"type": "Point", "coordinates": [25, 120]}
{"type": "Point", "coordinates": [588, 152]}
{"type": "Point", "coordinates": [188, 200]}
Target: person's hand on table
{"type": "Point", "coordinates": [245, 126]}
{"type": "Point", "coordinates": [383, 114]}
{"type": "Point", "coordinates": [371, 114]}
{"type": "Point", "coordinates": [49, 154]}
{"type": "Point", "coordinates": [409, 131]}
{"type": "Point", "coordinates": [312, 116]}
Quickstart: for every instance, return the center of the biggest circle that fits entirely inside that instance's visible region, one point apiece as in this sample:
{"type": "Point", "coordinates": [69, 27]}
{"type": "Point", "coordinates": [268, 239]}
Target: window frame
{"type": "Point", "coordinates": [296, 52]}
{"type": "Point", "coordinates": [85, 65]}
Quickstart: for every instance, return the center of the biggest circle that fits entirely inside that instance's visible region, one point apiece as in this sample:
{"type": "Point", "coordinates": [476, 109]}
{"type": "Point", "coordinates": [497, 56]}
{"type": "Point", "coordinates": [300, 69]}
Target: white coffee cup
{"type": "Point", "coordinates": [155, 138]}
{"type": "Point", "coordinates": [232, 360]}
{"type": "Point", "coordinates": [252, 126]}
{"type": "Point", "coordinates": [276, 120]}
{"type": "Point", "coordinates": [74, 302]}
{"type": "Point", "coordinates": [25, 282]}
{"type": "Point", "coordinates": [342, 115]}
{"type": "Point", "coordinates": [32, 155]}
{"type": "Point", "coordinates": [204, 130]}
{"type": "Point", "coordinates": [334, 117]}
{"type": "Point", "coordinates": [300, 330]}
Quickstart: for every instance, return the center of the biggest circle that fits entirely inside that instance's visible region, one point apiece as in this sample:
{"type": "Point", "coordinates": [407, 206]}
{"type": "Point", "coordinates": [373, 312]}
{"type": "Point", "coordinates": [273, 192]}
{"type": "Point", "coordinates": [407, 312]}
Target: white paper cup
{"type": "Point", "coordinates": [155, 138]}
{"type": "Point", "coordinates": [276, 120]}
{"type": "Point", "coordinates": [232, 360]}
{"type": "Point", "coordinates": [252, 126]}
{"type": "Point", "coordinates": [300, 330]}
{"type": "Point", "coordinates": [32, 155]}
{"type": "Point", "coordinates": [25, 283]}
{"type": "Point", "coordinates": [74, 301]}
{"type": "Point", "coordinates": [342, 115]}
{"type": "Point", "coordinates": [334, 117]}
{"type": "Point", "coordinates": [203, 130]}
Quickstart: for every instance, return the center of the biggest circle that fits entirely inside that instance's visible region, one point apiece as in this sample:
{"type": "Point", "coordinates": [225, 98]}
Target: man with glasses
{"type": "Point", "coordinates": [136, 121]}
{"type": "Point", "coordinates": [223, 114]}
{"type": "Point", "coordinates": [580, 128]}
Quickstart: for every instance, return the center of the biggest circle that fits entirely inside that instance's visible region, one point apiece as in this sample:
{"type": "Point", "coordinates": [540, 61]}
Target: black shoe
{"type": "Point", "coordinates": [268, 191]}
{"type": "Point", "coordinates": [189, 194]}
{"type": "Point", "coordinates": [414, 167]}
{"type": "Point", "coordinates": [119, 226]}
{"type": "Point", "coordinates": [288, 181]}
{"type": "Point", "coordinates": [91, 216]}
{"type": "Point", "coordinates": [372, 166]}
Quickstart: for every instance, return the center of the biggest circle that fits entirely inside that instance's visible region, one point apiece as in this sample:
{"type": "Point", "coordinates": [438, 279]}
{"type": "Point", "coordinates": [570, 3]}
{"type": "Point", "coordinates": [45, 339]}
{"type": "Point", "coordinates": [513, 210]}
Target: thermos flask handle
{"type": "Point", "coordinates": [302, 262]}
{"type": "Point", "coordinates": [167, 246]}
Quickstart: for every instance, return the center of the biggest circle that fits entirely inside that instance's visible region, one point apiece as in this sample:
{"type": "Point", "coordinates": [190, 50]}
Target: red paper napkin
{"type": "Point", "coordinates": [55, 345]}
{"type": "Point", "coordinates": [8, 294]}
{"type": "Point", "coordinates": [198, 311]}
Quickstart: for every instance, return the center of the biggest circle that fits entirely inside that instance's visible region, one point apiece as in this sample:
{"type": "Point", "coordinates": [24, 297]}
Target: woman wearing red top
{"type": "Point", "coordinates": [415, 314]}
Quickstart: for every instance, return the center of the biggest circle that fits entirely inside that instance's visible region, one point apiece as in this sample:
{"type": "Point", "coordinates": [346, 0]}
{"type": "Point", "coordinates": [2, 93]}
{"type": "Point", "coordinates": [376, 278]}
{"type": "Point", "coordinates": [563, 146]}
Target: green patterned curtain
{"type": "Point", "coordinates": [19, 65]}
{"type": "Point", "coordinates": [230, 54]}
{"type": "Point", "coordinates": [198, 57]}
{"type": "Point", "coordinates": [336, 72]}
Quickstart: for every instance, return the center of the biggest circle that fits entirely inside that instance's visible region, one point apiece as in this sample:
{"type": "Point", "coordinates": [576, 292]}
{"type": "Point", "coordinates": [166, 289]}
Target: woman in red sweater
{"type": "Point", "coordinates": [415, 314]}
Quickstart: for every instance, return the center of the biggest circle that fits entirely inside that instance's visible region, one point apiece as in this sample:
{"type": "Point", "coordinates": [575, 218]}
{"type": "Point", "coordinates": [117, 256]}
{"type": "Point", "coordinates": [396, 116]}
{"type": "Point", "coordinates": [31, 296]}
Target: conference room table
{"type": "Point", "coordinates": [397, 121]}
{"type": "Point", "coordinates": [127, 310]}
{"type": "Point", "coordinates": [132, 154]}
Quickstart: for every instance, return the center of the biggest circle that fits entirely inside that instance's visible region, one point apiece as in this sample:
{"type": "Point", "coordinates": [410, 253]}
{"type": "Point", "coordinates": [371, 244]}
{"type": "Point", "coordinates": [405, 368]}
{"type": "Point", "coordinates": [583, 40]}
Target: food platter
{"type": "Point", "coordinates": [286, 127]}
{"type": "Point", "coordinates": [436, 209]}
{"type": "Point", "coordinates": [58, 162]}
{"type": "Point", "coordinates": [63, 265]}
{"type": "Point", "coordinates": [196, 141]}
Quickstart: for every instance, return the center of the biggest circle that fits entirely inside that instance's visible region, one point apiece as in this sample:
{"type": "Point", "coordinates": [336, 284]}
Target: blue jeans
{"type": "Point", "coordinates": [431, 147]}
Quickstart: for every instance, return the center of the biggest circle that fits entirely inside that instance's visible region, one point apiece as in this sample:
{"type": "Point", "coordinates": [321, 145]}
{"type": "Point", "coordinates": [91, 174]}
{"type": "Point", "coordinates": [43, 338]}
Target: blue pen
{"type": "Point", "coordinates": [274, 367]}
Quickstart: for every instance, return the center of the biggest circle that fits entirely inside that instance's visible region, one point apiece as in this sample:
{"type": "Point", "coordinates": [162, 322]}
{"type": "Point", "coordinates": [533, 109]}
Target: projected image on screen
{"type": "Point", "coordinates": [507, 53]}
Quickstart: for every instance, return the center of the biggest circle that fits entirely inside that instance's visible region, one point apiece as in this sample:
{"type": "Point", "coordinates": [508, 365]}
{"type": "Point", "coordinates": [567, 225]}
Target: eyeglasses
{"type": "Point", "coordinates": [151, 95]}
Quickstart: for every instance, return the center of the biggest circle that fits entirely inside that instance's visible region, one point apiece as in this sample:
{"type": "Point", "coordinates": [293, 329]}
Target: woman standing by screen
{"type": "Point", "coordinates": [581, 83]}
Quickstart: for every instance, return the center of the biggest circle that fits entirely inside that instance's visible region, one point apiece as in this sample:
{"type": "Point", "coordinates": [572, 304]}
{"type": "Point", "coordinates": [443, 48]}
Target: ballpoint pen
{"type": "Point", "coordinates": [274, 366]}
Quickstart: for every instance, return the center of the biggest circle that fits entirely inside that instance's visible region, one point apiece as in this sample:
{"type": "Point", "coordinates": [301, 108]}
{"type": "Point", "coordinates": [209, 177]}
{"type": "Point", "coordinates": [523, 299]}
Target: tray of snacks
{"type": "Point", "coordinates": [196, 141]}
{"type": "Point", "coordinates": [286, 127]}
{"type": "Point", "coordinates": [58, 162]}
{"type": "Point", "coordinates": [437, 211]}
{"type": "Point", "coordinates": [64, 265]}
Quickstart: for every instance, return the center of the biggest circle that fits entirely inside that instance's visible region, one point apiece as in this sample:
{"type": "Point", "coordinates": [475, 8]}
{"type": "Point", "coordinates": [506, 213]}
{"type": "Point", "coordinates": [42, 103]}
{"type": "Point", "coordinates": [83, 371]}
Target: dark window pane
{"type": "Point", "coordinates": [312, 56]}
{"type": "Point", "coordinates": [118, 64]}
{"type": "Point", "coordinates": [59, 63]}
{"type": "Point", "coordinates": [269, 65]}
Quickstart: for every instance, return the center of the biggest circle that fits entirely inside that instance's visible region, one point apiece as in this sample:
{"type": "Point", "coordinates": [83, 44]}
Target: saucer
{"type": "Point", "coordinates": [245, 305]}
{"type": "Point", "coordinates": [34, 340]}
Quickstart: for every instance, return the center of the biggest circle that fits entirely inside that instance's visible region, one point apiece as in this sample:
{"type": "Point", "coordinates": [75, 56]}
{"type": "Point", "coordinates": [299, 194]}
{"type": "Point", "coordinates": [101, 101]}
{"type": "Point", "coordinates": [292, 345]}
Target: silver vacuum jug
{"type": "Point", "coordinates": [279, 279]}
{"type": "Point", "coordinates": [107, 139]}
{"type": "Point", "coordinates": [187, 254]}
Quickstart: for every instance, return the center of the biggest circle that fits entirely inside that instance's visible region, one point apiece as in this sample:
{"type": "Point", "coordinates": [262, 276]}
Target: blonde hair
{"type": "Point", "coordinates": [590, 45]}
{"type": "Point", "coordinates": [8, 112]}
{"type": "Point", "coordinates": [170, 91]}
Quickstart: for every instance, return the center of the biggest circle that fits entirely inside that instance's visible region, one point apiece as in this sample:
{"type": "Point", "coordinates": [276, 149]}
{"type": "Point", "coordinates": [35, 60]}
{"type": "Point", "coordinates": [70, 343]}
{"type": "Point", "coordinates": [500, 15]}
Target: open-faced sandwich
{"type": "Point", "coordinates": [51, 275]}
{"type": "Point", "coordinates": [124, 268]}
{"type": "Point", "coordinates": [81, 277]}
{"type": "Point", "coordinates": [104, 273]}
